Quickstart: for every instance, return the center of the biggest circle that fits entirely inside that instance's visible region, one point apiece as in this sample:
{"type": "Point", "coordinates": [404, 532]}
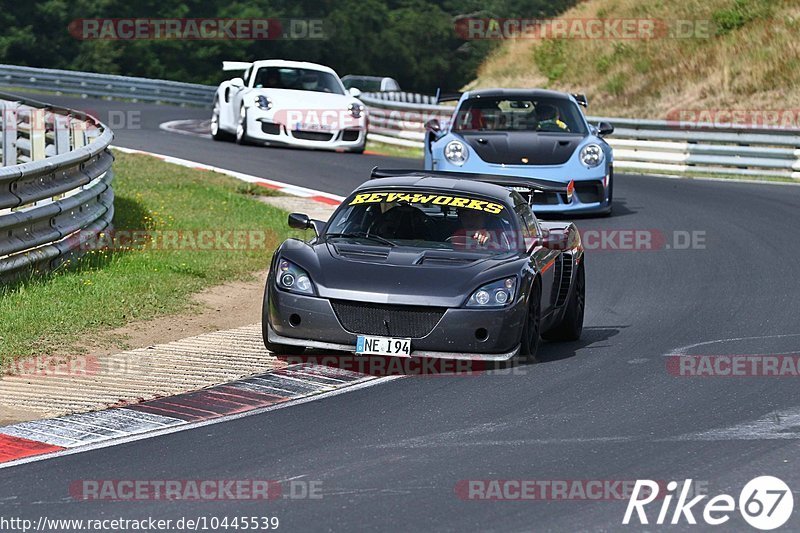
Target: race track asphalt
{"type": "Point", "coordinates": [390, 457]}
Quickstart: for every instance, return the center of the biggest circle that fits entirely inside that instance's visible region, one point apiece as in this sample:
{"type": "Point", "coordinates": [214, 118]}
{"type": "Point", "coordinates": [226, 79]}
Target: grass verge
{"type": "Point", "coordinates": [394, 151]}
{"type": "Point", "coordinates": [110, 287]}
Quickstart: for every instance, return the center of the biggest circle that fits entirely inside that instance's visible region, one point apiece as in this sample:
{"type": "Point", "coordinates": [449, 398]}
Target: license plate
{"type": "Point", "coordinates": [301, 126]}
{"type": "Point", "coordinates": [383, 346]}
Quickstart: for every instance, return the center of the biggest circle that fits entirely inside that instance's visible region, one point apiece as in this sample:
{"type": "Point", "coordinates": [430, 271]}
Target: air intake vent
{"type": "Point", "coordinates": [409, 321]}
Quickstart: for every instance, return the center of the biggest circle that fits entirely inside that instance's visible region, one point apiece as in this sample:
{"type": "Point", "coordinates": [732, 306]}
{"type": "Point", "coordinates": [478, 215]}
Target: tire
{"type": "Point", "coordinates": [276, 349]}
{"type": "Point", "coordinates": [241, 128]}
{"type": "Point", "coordinates": [531, 334]}
{"type": "Point", "coordinates": [571, 326]}
{"type": "Point", "coordinates": [359, 150]}
{"type": "Point", "coordinates": [216, 133]}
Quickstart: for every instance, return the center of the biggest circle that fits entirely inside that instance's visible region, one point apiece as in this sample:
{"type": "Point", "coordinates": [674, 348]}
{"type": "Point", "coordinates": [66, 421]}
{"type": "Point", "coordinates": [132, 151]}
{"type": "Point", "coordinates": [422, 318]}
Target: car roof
{"type": "Point", "coordinates": [516, 93]}
{"type": "Point", "coordinates": [291, 64]}
{"type": "Point", "coordinates": [436, 182]}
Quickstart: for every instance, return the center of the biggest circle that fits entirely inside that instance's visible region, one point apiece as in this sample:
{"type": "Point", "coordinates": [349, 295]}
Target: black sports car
{"type": "Point", "coordinates": [430, 264]}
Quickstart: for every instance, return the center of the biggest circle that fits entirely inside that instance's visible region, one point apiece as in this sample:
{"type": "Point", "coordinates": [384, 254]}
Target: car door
{"type": "Point", "coordinates": [543, 259]}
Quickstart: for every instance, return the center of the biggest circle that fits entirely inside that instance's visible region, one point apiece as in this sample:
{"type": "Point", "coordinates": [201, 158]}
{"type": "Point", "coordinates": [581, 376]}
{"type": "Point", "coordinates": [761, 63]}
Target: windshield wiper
{"type": "Point", "coordinates": [363, 235]}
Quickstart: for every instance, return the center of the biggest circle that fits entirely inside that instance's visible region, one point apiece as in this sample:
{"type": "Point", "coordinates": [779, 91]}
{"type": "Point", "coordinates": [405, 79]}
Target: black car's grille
{"type": "Point", "coordinates": [312, 135]}
{"type": "Point", "coordinates": [409, 321]}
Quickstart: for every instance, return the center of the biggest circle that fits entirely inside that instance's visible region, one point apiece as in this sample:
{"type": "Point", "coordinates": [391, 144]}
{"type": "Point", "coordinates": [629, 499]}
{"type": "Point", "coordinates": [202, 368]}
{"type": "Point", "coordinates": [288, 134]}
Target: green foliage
{"type": "Point", "coordinates": [413, 41]}
{"type": "Point", "coordinates": [551, 59]}
{"type": "Point", "coordinates": [739, 14]}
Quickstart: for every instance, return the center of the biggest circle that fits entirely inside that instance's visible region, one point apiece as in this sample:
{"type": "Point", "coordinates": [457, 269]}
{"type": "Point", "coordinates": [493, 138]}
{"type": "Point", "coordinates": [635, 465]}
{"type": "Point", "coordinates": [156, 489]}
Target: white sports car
{"type": "Point", "coordinates": [289, 103]}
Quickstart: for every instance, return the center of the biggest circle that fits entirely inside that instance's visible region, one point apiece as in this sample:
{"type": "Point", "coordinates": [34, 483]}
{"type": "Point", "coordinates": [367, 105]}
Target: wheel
{"type": "Point", "coordinates": [571, 326]}
{"type": "Point", "coordinates": [241, 128]}
{"type": "Point", "coordinates": [216, 133]}
{"type": "Point", "coordinates": [277, 349]}
{"type": "Point", "coordinates": [529, 345]}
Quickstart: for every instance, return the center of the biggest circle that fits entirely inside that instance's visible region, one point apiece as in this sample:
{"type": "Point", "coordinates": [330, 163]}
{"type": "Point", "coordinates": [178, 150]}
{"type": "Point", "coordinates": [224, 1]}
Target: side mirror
{"type": "Point", "coordinates": [303, 222]}
{"type": "Point", "coordinates": [355, 92]}
{"type": "Point", "coordinates": [237, 82]}
{"type": "Point", "coordinates": [553, 240]}
{"type": "Point", "coordinates": [433, 125]}
{"type": "Point", "coordinates": [604, 128]}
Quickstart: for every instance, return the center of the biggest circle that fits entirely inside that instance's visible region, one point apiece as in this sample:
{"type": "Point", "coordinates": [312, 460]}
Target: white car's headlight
{"type": "Point", "coordinates": [592, 155]}
{"type": "Point", "coordinates": [292, 278]}
{"type": "Point", "coordinates": [356, 109]}
{"type": "Point", "coordinates": [496, 294]}
{"type": "Point", "coordinates": [263, 102]}
{"type": "Point", "coordinates": [456, 153]}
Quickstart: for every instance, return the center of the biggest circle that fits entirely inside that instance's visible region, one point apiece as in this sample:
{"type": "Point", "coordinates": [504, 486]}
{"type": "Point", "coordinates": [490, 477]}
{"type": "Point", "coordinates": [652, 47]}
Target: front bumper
{"type": "Point", "coordinates": [263, 126]}
{"type": "Point", "coordinates": [591, 195]}
{"type": "Point", "coordinates": [455, 336]}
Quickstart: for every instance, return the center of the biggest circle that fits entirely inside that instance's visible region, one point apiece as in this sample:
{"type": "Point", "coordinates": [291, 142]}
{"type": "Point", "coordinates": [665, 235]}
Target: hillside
{"type": "Point", "coordinates": [742, 54]}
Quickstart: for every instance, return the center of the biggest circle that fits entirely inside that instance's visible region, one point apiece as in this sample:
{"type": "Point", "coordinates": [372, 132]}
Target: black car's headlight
{"type": "Point", "coordinates": [263, 102]}
{"type": "Point", "coordinates": [592, 155]}
{"type": "Point", "coordinates": [456, 153]}
{"type": "Point", "coordinates": [496, 294]}
{"type": "Point", "coordinates": [292, 278]}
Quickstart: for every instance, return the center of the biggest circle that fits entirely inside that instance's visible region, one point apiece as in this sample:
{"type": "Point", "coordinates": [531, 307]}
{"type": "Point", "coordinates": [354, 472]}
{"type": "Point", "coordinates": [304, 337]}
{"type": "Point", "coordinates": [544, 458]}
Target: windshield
{"type": "Point", "coordinates": [429, 220]}
{"type": "Point", "coordinates": [372, 85]}
{"type": "Point", "coordinates": [298, 79]}
{"type": "Point", "coordinates": [552, 115]}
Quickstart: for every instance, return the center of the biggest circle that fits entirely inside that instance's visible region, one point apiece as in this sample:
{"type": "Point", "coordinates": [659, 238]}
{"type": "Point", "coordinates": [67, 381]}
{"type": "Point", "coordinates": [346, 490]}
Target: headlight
{"type": "Point", "coordinates": [592, 155]}
{"type": "Point", "coordinates": [263, 102]}
{"type": "Point", "coordinates": [495, 294]}
{"type": "Point", "coordinates": [355, 109]}
{"type": "Point", "coordinates": [456, 152]}
{"type": "Point", "coordinates": [292, 278]}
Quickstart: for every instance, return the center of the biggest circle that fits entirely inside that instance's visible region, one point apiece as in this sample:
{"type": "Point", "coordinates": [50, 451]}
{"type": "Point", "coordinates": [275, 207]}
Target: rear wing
{"type": "Point", "coordinates": [236, 65]}
{"type": "Point", "coordinates": [520, 184]}
{"type": "Point", "coordinates": [447, 97]}
{"type": "Point", "coordinates": [581, 99]}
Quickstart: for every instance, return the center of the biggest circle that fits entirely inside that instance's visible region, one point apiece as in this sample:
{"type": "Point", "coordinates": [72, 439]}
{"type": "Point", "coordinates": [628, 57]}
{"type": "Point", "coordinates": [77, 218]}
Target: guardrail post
{"type": "Point", "coordinates": [38, 133]}
{"type": "Point", "coordinates": [10, 130]}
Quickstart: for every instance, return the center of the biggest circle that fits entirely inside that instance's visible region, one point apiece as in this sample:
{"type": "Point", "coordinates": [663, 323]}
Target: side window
{"type": "Point", "coordinates": [530, 227]}
{"type": "Point", "coordinates": [246, 77]}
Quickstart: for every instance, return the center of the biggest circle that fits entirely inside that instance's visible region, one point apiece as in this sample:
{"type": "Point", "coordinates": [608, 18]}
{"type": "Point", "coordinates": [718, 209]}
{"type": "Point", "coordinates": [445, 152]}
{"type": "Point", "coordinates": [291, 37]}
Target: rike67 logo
{"type": "Point", "coordinates": [766, 503]}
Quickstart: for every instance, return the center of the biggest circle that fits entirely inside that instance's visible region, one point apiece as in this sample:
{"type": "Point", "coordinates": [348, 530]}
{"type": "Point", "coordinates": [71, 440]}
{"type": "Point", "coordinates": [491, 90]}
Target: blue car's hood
{"type": "Point", "coordinates": [523, 147]}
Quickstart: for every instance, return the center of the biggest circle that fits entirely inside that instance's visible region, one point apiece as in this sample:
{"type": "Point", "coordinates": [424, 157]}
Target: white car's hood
{"type": "Point", "coordinates": [292, 99]}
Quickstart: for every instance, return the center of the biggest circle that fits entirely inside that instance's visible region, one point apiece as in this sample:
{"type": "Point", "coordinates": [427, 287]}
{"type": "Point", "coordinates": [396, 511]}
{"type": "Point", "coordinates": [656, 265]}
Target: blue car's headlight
{"type": "Point", "coordinates": [292, 278]}
{"type": "Point", "coordinates": [592, 155]}
{"type": "Point", "coordinates": [496, 294]}
{"type": "Point", "coordinates": [456, 153]}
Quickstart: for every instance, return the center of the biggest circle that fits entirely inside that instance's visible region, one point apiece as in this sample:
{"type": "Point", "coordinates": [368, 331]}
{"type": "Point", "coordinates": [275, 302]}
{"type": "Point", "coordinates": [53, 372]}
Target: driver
{"type": "Point", "coordinates": [310, 81]}
{"type": "Point", "coordinates": [547, 115]}
{"type": "Point", "coordinates": [478, 226]}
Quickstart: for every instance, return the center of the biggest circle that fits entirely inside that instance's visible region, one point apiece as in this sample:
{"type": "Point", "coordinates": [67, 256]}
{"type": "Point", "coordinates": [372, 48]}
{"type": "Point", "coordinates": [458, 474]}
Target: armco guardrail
{"type": "Point", "coordinates": [654, 146]}
{"type": "Point", "coordinates": [106, 85]}
{"type": "Point", "coordinates": [55, 183]}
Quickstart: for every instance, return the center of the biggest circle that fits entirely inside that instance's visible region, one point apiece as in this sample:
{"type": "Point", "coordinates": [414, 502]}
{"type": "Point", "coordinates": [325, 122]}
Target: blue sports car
{"type": "Point", "coordinates": [527, 132]}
